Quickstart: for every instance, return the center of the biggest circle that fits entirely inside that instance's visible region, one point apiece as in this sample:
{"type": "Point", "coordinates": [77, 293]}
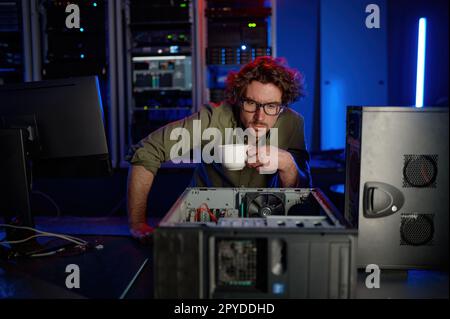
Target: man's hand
{"type": "Point", "coordinates": [270, 159]}
{"type": "Point", "coordinates": [141, 232]}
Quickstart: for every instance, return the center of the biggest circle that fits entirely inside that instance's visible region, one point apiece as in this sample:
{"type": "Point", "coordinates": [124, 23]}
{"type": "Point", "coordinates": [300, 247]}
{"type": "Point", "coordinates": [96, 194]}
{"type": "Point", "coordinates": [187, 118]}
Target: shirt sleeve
{"type": "Point", "coordinates": [155, 149]}
{"type": "Point", "coordinates": [297, 148]}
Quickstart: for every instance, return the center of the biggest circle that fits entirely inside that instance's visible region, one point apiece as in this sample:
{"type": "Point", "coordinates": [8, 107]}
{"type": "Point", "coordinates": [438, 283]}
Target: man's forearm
{"type": "Point", "coordinates": [289, 175]}
{"type": "Point", "coordinates": [139, 183]}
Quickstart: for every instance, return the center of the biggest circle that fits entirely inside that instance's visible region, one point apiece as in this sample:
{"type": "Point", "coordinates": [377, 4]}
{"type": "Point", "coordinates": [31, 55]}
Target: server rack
{"type": "Point", "coordinates": [237, 33]}
{"type": "Point", "coordinates": [159, 67]}
{"type": "Point", "coordinates": [14, 44]}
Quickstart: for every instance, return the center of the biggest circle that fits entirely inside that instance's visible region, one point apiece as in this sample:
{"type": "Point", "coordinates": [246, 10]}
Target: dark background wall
{"type": "Point", "coordinates": [298, 42]}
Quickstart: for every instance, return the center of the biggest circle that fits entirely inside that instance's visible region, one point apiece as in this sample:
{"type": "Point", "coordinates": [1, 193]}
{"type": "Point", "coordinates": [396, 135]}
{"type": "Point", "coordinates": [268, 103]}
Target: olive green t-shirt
{"type": "Point", "coordinates": [155, 149]}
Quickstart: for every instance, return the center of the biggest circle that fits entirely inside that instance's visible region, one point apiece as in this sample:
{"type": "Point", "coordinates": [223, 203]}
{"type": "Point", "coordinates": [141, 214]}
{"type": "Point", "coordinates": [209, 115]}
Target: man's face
{"type": "Point", "coordinates": [261, 93]}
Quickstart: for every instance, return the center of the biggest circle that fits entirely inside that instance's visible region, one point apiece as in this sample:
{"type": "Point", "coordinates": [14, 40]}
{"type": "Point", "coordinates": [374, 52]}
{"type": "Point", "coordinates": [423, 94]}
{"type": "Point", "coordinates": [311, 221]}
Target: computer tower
{"type": "Point", "coordinates": [397, 185]}
{"type": "Point", "coordinates": [237, 243]}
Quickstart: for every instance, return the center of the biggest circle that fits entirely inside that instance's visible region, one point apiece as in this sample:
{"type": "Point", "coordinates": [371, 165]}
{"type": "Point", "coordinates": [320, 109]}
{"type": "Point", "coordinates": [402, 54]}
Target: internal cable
{"type": "Point", "coordinates": [204, 208]}
{"type": "Point", "coordinates": [58, 210]}
{"type": "Point", "coordinates": [242, 209]}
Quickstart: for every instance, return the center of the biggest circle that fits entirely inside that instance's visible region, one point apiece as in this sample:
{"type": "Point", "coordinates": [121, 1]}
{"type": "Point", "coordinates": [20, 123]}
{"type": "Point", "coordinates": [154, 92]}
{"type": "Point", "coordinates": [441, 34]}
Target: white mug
{"type": "Point", "coordinates": [233, 156]}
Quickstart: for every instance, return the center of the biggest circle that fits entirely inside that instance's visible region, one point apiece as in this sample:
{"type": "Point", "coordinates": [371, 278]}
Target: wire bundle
{"type": "Point", "coordinates": [204, 208]}
{"type": "Point", "coordinates": [80, 242]}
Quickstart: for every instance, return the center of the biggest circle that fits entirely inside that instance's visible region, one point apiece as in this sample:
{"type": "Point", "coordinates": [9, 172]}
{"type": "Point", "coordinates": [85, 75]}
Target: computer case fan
{"type": "Point", "coordinates": [264, 204]}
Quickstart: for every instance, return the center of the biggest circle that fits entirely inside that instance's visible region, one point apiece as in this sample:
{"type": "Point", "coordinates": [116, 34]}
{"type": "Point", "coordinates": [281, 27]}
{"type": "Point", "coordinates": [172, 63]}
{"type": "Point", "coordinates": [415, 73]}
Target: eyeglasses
{"type": "Point", "coordinates": [271, 109]}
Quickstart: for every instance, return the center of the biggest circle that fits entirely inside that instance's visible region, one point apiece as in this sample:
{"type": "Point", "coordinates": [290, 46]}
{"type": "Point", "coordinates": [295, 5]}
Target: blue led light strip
{"type": "Point", "coordinates": [421, 47]}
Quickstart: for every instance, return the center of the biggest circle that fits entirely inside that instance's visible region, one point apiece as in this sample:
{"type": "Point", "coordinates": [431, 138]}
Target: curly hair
{"type": "Point", "coordinates": [266, 69]}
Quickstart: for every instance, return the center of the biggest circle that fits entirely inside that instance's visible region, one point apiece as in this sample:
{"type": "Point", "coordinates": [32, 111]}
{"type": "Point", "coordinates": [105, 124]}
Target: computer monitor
{"type": "Point", "coordinates": [48, 129]}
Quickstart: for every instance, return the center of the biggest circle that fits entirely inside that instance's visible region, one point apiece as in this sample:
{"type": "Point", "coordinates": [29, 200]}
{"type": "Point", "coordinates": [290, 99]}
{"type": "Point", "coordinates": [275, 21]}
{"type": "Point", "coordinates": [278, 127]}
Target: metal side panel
{"type": "Point", "coordinates": [177, 264]}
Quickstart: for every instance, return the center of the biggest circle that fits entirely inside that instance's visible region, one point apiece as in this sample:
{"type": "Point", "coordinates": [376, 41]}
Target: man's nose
{"type": "Point", "coordinates": [259, 115]}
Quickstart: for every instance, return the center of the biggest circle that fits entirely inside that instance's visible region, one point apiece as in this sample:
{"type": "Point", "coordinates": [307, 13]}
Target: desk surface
{"type": "Point", "coordinates": [106, 273]}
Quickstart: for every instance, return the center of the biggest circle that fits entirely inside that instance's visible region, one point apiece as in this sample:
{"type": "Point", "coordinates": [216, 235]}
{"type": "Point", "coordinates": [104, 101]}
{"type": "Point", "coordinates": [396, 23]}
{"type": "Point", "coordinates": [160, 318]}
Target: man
{"type": "Point", "coordinates": [257, 98]}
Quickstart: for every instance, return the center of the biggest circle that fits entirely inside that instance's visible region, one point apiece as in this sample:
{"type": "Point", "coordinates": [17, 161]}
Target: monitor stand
{"type": "Point", "coordinates": [15, 186]}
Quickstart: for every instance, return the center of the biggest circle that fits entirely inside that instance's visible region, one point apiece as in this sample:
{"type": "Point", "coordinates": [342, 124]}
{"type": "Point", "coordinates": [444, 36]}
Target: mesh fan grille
{"type": "Point", "coordinates": [417, 229]}
{"type": "Point", "coordinates": [420, 170]}
{"type": "Point", "coordinates": [237, 263]}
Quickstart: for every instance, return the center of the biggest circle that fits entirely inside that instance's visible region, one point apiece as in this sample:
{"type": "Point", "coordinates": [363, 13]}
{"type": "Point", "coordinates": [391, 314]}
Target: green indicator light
{"type": "Point", "coordinates": [169, 36]}
{"type": "Point", "coordinates": [252, 25]}
{"type": "Point", "coordinates": [183, 5]}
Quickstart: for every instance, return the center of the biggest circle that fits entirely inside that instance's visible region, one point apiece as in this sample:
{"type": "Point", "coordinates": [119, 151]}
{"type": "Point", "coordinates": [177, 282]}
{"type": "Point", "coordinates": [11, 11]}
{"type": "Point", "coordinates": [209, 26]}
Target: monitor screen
{"type": "Point", "coordinates": [65, 120]}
